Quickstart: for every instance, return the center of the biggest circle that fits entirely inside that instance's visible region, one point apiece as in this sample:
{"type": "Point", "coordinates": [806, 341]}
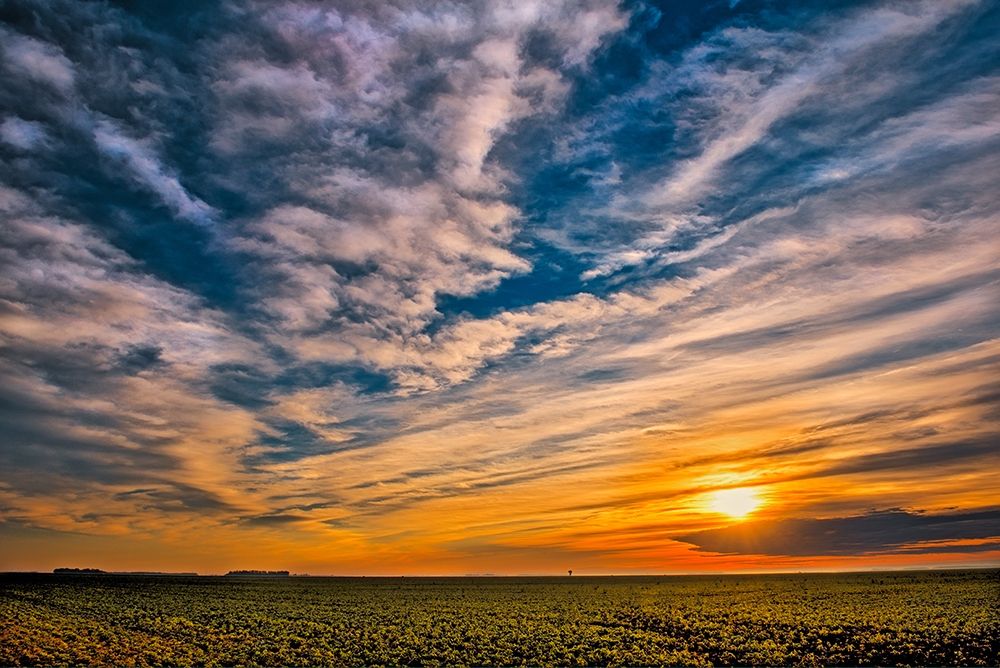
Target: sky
{"type": "Point", "coordinates": [362, 287]}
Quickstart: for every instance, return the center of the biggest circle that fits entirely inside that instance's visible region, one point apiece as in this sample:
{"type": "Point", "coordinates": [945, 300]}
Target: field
{"type": "Point", "coordinates": [935, 618]}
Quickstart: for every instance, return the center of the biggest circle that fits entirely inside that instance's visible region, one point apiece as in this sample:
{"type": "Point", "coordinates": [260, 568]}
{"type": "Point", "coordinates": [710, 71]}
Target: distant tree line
{"type": "Point", "coordinates": [78, 570]}
{"type": "Point", "coordinates": [271, 574]}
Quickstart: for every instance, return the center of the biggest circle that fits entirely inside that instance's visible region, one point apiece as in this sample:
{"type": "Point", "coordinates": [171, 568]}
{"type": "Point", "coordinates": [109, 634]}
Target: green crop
{"type": "Point", "coordinates": [926, 618]}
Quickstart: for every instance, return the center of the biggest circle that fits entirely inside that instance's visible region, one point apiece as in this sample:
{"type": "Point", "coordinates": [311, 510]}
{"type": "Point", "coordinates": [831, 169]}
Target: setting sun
{"type": "Point", "coordinates": [737, 503]}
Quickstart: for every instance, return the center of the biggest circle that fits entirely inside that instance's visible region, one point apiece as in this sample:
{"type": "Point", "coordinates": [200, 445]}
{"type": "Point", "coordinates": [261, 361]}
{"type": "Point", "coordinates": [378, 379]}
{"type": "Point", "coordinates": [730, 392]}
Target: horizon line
{"type": "Point", "coordinates": [906, 569]}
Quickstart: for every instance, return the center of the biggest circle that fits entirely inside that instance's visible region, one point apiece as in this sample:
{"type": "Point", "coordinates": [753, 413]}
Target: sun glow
{"type": "Point", "coordinates": [737, 503]}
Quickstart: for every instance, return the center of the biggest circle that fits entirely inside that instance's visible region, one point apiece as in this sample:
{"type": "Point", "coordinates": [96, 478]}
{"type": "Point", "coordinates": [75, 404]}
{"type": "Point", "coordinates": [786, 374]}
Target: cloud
{"type": "Point", "coordinates": [37, 60]}
{"type": "Point", "coordinates": [746, 124]}
{"type": "Point", "coordinates": [104, 363]}
{"type": "Point", "coordinates": [496, 278]}
{"type": "Point", "coordinates": [407, 207]}
{"type": "Point", "coordinates": [149, 172]}
{"type": "Point", "coordinates": [745, 100]}
{"type": "Point", "coordinates": [272, 520]}
{"type": "Point", "coordinates": [873, 532]}
{"type": "Point", "coordinates": [22, 134]}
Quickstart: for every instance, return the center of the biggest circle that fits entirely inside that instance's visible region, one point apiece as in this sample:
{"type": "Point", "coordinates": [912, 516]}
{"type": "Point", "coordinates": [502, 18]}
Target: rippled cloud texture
{"type": "Point", "coordinates": [373, 287]}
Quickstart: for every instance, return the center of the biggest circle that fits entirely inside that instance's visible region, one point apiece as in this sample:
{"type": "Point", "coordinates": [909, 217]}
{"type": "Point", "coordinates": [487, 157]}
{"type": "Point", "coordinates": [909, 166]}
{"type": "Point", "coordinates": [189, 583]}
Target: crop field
{"type": "Point", "coordinates": [926, 618]}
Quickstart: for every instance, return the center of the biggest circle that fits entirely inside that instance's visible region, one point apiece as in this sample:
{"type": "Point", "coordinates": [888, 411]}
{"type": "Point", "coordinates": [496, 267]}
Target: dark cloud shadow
{"type": "Point", "coordinates": [278, 520]}
{"type": "Point", "coordinates": [877, 531]}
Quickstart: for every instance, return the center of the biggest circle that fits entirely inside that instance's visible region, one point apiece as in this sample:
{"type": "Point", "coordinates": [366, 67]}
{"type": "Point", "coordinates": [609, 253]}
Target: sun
{"type": "Point", "coordinates": [737, 502]}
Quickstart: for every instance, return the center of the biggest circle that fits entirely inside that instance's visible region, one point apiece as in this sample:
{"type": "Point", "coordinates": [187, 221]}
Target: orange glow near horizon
{"type": "Point", "coordinates": [630, 515]}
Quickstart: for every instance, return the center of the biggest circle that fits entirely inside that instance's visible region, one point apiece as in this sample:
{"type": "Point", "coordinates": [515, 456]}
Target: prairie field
{"type": "Point", "coordinates": [858, 619]}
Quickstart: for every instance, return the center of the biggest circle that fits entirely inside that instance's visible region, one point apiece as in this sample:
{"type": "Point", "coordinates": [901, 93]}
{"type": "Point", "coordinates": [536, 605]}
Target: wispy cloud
{"type": "Point", "coordinates": [149, 172]}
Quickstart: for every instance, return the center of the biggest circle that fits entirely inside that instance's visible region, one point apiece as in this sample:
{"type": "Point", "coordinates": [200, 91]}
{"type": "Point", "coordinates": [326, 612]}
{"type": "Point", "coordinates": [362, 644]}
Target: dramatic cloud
{"type": "Point", "coordinates": [494, 286]}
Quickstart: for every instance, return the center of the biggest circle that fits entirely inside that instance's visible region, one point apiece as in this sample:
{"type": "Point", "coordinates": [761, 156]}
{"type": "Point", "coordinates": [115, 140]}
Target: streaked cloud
{"type": "Point", "coordinates": [894, 529]}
